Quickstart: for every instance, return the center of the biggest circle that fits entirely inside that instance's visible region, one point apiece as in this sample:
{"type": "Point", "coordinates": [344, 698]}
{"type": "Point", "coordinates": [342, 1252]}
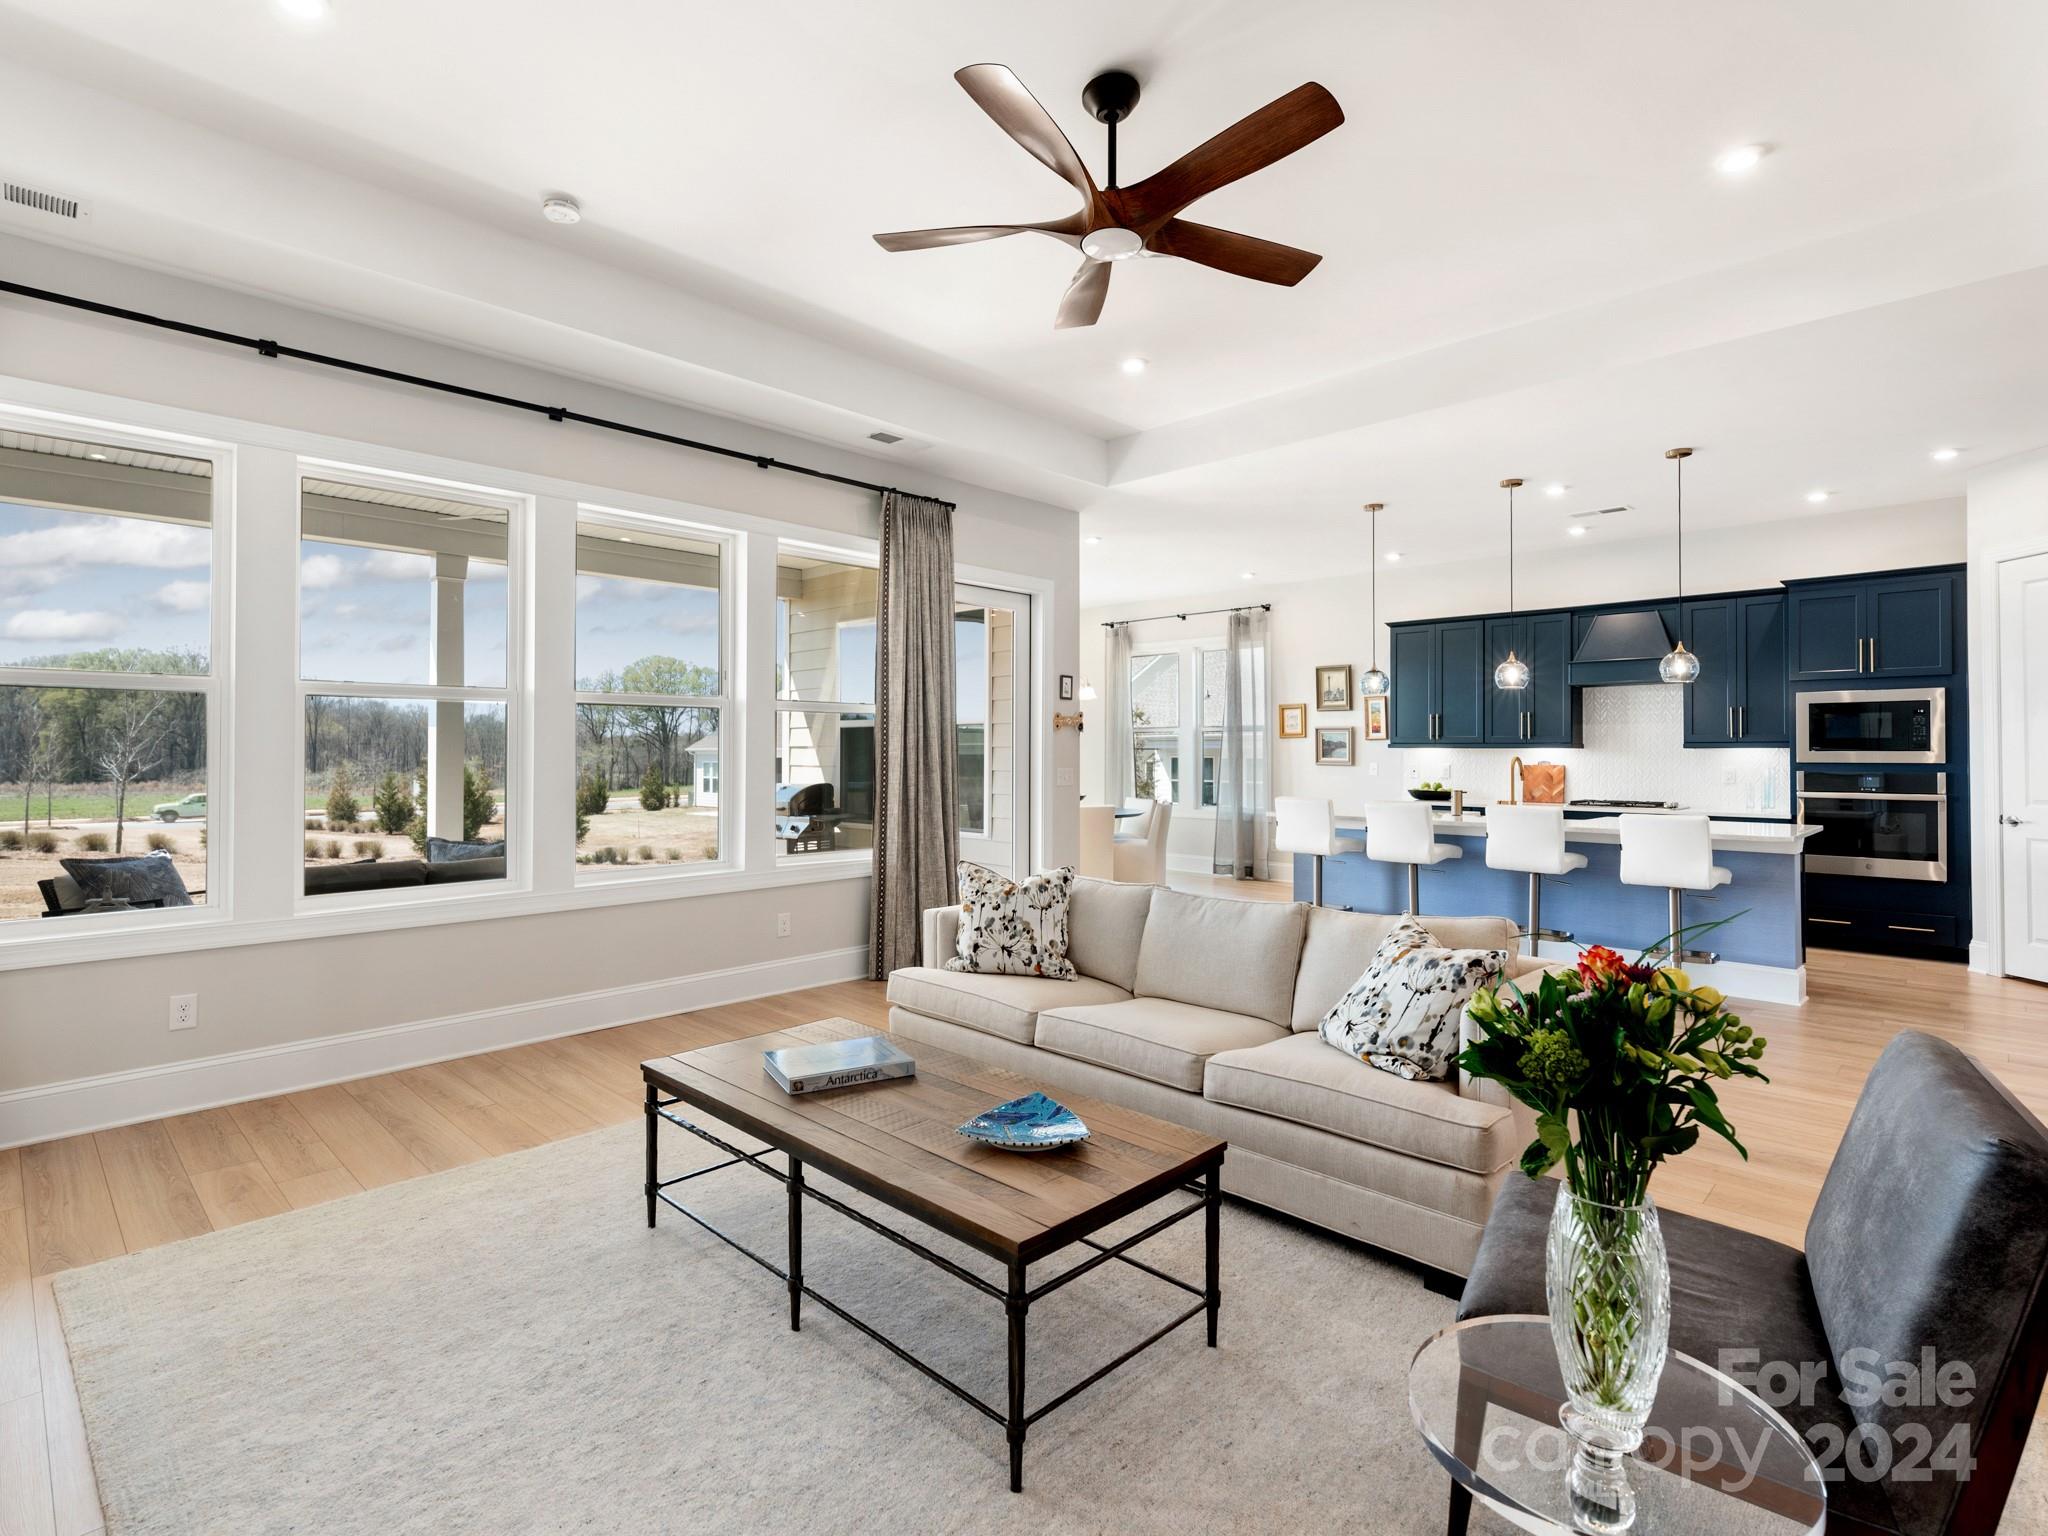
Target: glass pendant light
{"type": "Point", "coordinates": [1513, 672]}
{"type": "Point", "coordinates": [1373, 683]}
{"type": "Point", "coordinates": [1680, 666]}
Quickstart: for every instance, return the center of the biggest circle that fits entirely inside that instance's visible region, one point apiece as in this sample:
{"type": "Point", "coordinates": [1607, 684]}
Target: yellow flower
{"type": "Point", "coordinates": [1672, 979]}
{"type": "Point", "coordinates": [1707, 999]}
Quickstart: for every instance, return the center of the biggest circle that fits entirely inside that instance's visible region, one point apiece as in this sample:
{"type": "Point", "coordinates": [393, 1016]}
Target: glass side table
{"type": "Point", "coordinates": [1716, 1460]}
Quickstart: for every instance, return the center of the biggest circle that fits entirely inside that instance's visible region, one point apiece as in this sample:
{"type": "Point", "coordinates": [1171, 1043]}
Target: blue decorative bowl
{"type": "Point", "coordinates": [1033, 1123]}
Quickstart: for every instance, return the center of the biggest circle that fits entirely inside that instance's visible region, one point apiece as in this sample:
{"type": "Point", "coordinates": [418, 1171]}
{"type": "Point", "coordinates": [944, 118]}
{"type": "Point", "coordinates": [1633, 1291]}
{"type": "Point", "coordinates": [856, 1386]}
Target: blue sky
{"type": "Point", "coordinates": [619, 620]}
{"type": "Point", "coordinates": [80, 581]}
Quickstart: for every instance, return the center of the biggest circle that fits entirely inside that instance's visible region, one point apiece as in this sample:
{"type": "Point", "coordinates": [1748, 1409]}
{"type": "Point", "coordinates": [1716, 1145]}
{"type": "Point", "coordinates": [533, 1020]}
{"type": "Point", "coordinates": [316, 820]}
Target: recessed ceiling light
{"type": "Point", "coordinates": [1816, 496]}
{"type": "Point", "coordinates": [561, 210]}
{"type": "Point", "coordinates": [1093, 538]}
{"type": "Point", "coordinates": [1577, 530]}
{"type": "Point", "coordinates": [304, 10]}
{"type": "Point", "coordinates": [97, 458]}
{"type": "Point", "coordinates": [1740, 160]}
{"type": "Point", "coordinates": [1134, 365]}
{"type": "Point", "coordinates": [1394, 556]}
{"type": "Point", "coordinates": [1248, 575]}
{"type": "Point", "coordinates": [625, 538]}
{"type": "Point", "coordinates": [1943, 455]}
{"type": "Point", "coordinates": [1555, 488]}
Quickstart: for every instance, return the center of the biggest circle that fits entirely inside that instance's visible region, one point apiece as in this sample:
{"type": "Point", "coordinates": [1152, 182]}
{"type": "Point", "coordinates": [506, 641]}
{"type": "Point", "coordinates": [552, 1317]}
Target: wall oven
{"type": "Point", "coordinates": [1891, 825]}
{"type": "Point", "coordinates": [1872, 725]}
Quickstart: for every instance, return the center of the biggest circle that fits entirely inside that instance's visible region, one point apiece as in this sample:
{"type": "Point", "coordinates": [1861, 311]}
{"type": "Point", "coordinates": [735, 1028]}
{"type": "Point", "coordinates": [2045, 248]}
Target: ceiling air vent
{"type": "Point", "coordinates": [1581, 517]}
{"type": "Point", "coordinates": [885, 437]}
{"type": "Point", "coordinates": [35, 199]}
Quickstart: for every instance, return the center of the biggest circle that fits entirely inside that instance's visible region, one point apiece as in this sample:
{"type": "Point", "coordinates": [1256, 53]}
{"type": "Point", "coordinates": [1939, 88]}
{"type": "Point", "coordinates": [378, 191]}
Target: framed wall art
{"type": "Point", "coordinates": [1333, 688]}
{"type": "Point", "coordinates": [1293, 721]}
{"type": "Point", "coordinates": [1337, 745]}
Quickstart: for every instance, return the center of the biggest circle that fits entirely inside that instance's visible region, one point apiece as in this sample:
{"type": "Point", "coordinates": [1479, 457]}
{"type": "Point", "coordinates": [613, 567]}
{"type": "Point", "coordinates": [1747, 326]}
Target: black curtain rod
{"type": "Point", "coordinates": [269, 348]}
{"type": "Point", "coordinates": [1198, 613]}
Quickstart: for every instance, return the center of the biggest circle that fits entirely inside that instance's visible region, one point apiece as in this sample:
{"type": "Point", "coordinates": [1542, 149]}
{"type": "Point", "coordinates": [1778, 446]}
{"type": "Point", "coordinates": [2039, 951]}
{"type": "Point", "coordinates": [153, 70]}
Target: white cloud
{"type": "Point", "coordinates": [318, 571]}
{"type": "Point", "coordinates": [396, 565]}
{"type": "Point", "coordinates": [108, 541]}
{"type": "Point", "coordinates": [184, 596]}
{"type": "Point", "coordinates": [61, 624]}
{"type": "Point", "coordinates": [20, 583]}
{"type": "Point", "coordinates": [486, 570]}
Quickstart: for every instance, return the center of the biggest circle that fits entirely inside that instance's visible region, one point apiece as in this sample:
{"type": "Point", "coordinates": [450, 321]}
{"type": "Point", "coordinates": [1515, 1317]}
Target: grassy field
{"type": "Point", "coordinates": [86, 802]}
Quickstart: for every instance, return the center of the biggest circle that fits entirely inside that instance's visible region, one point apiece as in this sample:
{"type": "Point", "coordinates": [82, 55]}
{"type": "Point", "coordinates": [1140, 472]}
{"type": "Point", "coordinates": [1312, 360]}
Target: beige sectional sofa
{"type": "Point", "coordinates": [1203, 1011]}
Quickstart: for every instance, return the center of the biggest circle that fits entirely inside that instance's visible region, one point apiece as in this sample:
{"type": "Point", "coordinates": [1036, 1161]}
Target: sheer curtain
{"type": "Point", "coordinates": [1243, 768]}
{"type": "Point", "coordinates": [1119, 762]}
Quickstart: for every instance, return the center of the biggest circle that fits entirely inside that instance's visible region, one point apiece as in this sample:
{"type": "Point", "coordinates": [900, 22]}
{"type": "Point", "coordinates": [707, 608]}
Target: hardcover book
{"type": "Point", "coordinates": [837, 1064]}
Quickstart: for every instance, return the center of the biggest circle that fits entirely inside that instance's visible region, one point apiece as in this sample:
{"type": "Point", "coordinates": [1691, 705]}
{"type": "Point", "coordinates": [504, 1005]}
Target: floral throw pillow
{"type": "Point", "coordinates": [1403, 1014]}
{"type": "Point", "coordinates": [1013, 927]}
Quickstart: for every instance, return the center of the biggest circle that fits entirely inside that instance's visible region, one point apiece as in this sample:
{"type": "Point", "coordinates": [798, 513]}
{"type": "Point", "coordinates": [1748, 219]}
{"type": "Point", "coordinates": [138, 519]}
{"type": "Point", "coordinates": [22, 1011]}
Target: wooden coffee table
{"type": "Point", "coordinates": [897, 1143]}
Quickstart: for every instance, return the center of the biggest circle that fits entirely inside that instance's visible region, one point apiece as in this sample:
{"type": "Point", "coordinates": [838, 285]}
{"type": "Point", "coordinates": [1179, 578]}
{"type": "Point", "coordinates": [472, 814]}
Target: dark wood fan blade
{"type": "Point", "coordinates": [1082, 304]}
{"type": "Point", "coordinates": [1266, 261]}
{"type": "Point", "coordinates": [999, 93]}
{"type": "Point", "coordinates": [1272, 133]}
{"type": "Point", "coordinates": [1069, 230]}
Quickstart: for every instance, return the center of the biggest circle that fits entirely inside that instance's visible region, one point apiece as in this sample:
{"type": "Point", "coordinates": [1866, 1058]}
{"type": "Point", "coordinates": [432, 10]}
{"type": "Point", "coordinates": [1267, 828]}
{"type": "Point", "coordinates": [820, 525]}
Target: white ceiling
{"type": "Point", "coordinates": [1529, 265]}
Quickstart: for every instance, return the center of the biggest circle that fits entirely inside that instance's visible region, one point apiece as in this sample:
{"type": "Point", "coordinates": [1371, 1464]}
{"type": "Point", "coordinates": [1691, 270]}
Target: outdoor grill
{"type": "Point", "coordinates": [804, 817]}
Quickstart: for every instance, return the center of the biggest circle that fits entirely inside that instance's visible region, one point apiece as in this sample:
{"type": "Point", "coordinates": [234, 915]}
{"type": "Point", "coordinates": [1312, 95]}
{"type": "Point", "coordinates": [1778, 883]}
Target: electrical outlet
{"type": "Point", "coordinates": [782, 925]}
{"type": "Point", "coordinates": [1372, 768]}
{"type": "Point", "coordinates": [185, 1011]}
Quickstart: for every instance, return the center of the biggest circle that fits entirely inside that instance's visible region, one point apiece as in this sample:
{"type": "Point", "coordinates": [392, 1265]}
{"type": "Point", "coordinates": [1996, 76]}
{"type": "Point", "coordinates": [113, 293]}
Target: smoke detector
{"type": "Point", "coordinates": [559, 208]}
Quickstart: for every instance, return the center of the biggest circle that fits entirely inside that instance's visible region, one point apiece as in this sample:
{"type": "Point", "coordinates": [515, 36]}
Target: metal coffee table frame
{"type": "Point", "coordinates": [1017, 1296]}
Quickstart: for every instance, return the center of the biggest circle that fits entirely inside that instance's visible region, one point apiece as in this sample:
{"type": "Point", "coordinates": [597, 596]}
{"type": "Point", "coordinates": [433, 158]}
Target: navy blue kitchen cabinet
{"type": "Point", "coordinates": [1740, 697]}
{"type": "Point", "coordinates": [1440, 681]}
{"type": "Point", "coordinates": [1547, 713]}
{"type": "Point", "coordinates": [1885, 626]}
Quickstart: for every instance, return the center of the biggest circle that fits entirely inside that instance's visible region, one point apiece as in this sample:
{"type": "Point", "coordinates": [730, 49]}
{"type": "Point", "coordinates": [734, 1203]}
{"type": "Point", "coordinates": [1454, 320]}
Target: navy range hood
{"type": "Point", "coordinates": [1621, 645]}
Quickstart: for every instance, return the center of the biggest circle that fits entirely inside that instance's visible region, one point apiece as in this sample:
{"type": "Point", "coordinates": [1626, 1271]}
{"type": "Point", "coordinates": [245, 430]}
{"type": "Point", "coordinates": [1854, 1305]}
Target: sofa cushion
{"type": "Point", "coordinates": [1150, 1037]}
{"type": "Point", "coordinates": [1105, 924]}
{"type": "Point", "coordinates": [1301, 1079]}
{"type": "Point", "coordinates": [1013, 927]}
{"type": "Point", "coordinates": [1406, 1014]}
{"type": "Point", "coordinates": [1004, 1006]}
{"type": "Point", "coordinates": [1340, 945]}
{"type": "Point", "coordinates": [1233, 956]}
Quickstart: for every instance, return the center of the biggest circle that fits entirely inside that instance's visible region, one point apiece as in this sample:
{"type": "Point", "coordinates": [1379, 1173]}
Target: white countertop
{"type": "Point", "coordinates": [1729, 836]}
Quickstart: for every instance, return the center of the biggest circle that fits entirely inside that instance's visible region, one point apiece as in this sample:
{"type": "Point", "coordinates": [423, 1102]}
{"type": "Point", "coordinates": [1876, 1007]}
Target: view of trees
{"type": "Point", "coordinates": [643, 744]}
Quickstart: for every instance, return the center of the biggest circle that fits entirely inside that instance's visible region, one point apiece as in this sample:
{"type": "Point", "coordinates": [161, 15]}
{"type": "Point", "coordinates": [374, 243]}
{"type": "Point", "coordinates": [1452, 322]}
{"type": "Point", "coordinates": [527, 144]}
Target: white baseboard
{"type": "Point", "coordinates": [1737, 978]}
{"type": "Point", "coordinates": [1980, 958]}
{"type": "Point", "coordinates": [174, 1088]}
{"type": "Point", "coordinates": [1202, 864]}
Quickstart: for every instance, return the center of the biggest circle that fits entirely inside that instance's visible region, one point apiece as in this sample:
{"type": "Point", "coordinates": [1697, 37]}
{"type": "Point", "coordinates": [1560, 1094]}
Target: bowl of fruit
{"type": "Point", "coordinates": [1431, 791]}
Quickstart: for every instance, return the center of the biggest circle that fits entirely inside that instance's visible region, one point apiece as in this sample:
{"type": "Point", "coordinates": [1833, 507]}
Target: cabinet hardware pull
{"type": "Point", "coordinates": [1832, 922]}
{"type": "Point", "coordinates": [1742, 720]}
{"type": "Point", "coordinates": [1908, 928]}
{"type": "Point", "coordinates": [1731, 721]}
{"type": "Point", "coordinates": [1873, 653]}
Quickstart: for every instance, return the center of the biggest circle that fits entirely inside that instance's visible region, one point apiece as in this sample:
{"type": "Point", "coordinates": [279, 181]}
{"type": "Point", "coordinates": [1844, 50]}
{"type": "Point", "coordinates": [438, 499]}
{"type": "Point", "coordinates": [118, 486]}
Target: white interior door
{"type": "Point", "coordinates": [2023, 762]}
{"type": "Point", "coordinates": [992, 655]}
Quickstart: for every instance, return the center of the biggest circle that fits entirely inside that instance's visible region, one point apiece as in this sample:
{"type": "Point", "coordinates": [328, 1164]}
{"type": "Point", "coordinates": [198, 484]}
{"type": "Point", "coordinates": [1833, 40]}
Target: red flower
{"type": "Point", "coordinates": [1599, 965]}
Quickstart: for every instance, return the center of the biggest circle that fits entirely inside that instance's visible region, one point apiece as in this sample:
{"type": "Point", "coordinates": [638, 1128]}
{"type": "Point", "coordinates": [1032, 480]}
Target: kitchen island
{"type": "Point", "coordinates": [1762, 946]}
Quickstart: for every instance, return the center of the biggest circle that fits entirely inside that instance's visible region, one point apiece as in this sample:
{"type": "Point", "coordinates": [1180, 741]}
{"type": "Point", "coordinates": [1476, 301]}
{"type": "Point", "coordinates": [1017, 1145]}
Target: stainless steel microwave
{"type": "Point", "coordinates": [1872, 725]}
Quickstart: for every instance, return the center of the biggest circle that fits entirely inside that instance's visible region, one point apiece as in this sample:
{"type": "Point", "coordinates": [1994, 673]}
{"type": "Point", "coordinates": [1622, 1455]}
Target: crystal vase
{"type": "Point", "coordinates": [1608, 1287]}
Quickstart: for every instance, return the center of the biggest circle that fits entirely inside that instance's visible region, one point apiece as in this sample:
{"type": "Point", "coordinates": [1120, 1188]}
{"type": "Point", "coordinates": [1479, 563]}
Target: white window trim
{"type": "Point", "coordinates": [252, 461]}
{"type": "Point", "coordinates": [1189, 736]}
{"type": "Point", "coordinates": [113, 932]}
{"type": "Point", "coordinates": [723, 701]}
{"type": "Point", "coordinates": [866, 553]}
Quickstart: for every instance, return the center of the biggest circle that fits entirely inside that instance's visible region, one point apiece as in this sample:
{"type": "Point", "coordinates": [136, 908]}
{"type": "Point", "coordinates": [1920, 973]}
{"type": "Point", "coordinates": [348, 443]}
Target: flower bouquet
{"type": "Point", "coordinates": [1619, 1061]}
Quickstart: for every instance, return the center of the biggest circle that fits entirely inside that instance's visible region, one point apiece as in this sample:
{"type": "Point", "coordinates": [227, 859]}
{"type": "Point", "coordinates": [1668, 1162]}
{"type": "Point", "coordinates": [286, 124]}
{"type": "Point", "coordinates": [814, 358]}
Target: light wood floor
{"type": "Point", "coordinates": [87, 1198]}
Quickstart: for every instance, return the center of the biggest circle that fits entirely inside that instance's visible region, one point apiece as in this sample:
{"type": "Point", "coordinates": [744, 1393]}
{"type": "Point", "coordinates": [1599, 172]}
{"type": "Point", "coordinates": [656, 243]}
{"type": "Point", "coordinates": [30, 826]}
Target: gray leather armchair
{"type": "Point", "coordinates": [1931, 1233]}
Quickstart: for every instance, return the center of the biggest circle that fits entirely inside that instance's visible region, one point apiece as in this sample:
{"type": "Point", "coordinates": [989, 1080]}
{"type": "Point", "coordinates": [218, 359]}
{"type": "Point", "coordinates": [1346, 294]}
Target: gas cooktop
{"type": "Point", "coordinates": [1627, 805]}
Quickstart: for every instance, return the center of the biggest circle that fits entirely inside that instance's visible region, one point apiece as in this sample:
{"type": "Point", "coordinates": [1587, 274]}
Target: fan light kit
{"type": "Point", "coordinates": [1513, 673]}
{"type": "Point", "coordinates": [561, 210]}
{"type": "Point", "coordinates": [1679, 665]}
{"type": "Point", "coordinates": [1374, 683]}
{"type": "Point", "coordinates": [1116, 223]}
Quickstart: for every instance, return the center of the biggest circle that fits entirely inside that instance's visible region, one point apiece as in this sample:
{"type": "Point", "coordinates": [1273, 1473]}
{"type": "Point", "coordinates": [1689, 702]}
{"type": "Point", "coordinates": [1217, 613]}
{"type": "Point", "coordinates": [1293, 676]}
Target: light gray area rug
{"type": "Point", "coordinates": [507, 1348]}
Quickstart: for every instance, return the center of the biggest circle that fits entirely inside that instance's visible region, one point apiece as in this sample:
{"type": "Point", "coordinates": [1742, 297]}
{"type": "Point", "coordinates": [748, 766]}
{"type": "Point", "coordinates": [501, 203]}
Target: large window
{"type": "Point", "coordinates": [106, 685]}
{"type": "Point", "coordinates": [1155, 725]}
{"type": "Point", "coordinates": [650, 694]}
{"type": "Point", "coordinates": [973, 680]}
{"type": "Point", "coordinates": [1177, 705]}
{"type": "Point", "coordinates": [825, 708]}
{"type": "Point", "coordinates": [403, 645]}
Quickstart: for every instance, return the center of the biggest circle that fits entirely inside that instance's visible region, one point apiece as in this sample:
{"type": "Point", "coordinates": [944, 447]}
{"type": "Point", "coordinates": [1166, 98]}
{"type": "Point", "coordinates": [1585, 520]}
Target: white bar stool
{"type": "Point", "coordinates": [1676, 852]}
{"type": "Point", "coordinates": [1401, 832]}
{"type": "Point", "coordinates": [1303, 825]}
{"type": "Point", "coordinates": [1529, 839]}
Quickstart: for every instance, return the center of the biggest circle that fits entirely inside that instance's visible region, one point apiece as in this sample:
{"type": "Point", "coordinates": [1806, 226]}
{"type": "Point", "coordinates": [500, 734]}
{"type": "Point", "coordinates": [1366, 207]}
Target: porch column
{"type": "Point", "coordinates": [444, 730]}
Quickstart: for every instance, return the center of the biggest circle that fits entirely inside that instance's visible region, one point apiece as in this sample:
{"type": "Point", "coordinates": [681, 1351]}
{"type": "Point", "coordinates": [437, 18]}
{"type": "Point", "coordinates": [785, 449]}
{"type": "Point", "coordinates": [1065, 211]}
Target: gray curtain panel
{"type": "Point", "coordinates": [1119, 759]}
{"type": "Point", "coordinates": [917, 791]}
{"type": "Point", "coordinates": [1243, 770]}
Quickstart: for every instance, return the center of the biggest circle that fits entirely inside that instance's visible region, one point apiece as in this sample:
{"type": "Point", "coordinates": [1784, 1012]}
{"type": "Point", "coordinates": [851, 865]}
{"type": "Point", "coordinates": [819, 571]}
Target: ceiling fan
{"type": "Point", "coordinates": [1115, 223]}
